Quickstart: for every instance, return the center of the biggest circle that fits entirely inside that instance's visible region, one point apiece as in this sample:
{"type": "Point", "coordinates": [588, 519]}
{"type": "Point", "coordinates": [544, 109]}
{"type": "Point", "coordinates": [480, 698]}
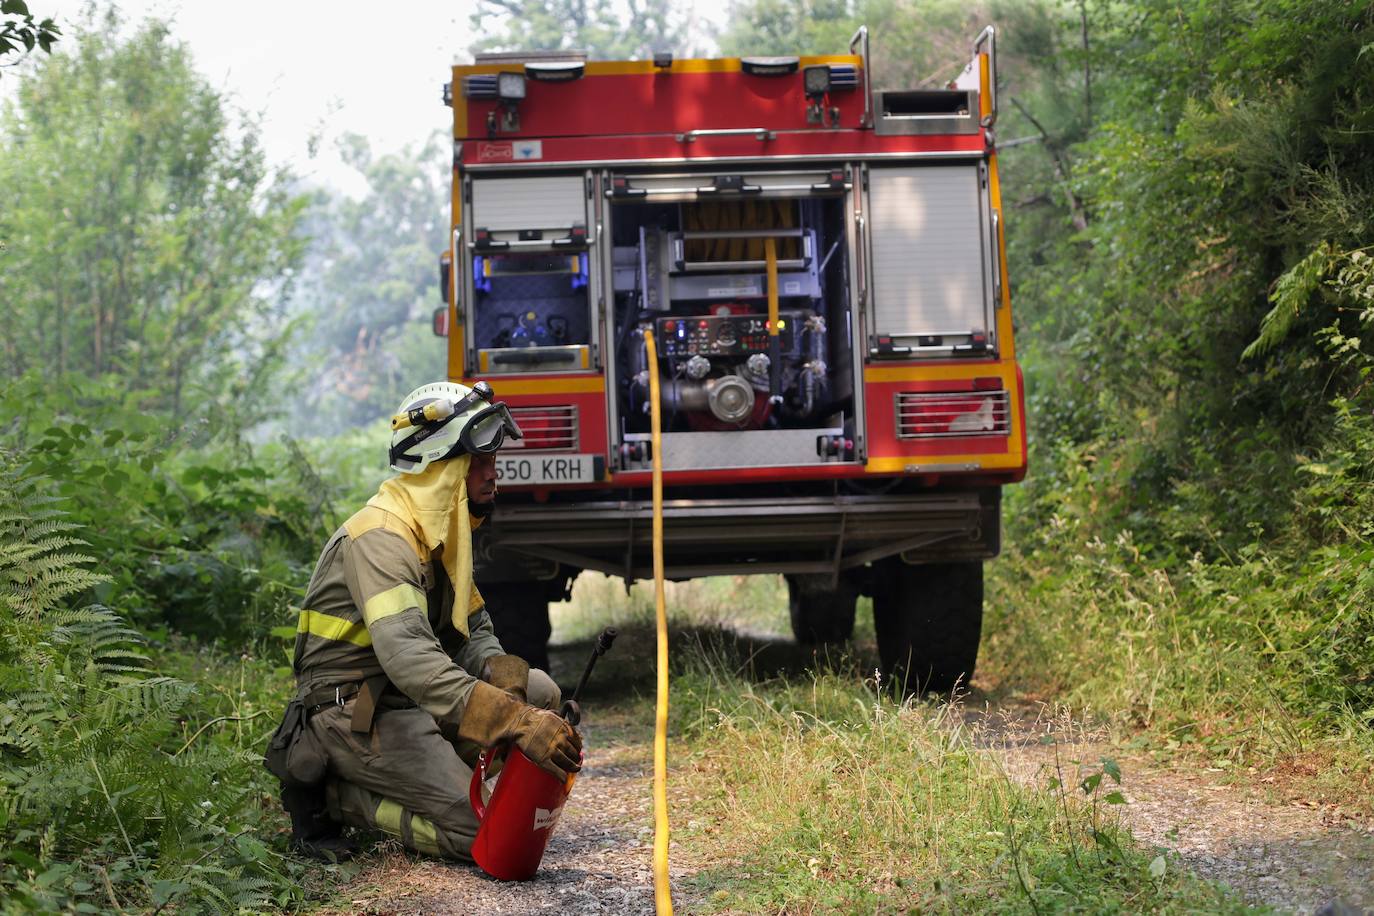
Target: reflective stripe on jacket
{"type": "Point", "coordinates": [379, 602]}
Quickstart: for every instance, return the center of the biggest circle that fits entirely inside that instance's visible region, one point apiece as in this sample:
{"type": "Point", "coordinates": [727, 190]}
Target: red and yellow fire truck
{"type": "Point", "coordinates": [821, 264]}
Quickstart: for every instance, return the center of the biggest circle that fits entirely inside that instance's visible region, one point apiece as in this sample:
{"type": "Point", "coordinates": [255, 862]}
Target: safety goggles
{"type": "Point", "coordinates": [488, 428]}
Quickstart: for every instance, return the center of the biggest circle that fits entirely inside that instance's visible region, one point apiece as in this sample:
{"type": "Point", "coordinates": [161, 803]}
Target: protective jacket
{"type": "Point", "coordinates": [392, 620]}
{"type": "Point", "coordinates": [381, 600]}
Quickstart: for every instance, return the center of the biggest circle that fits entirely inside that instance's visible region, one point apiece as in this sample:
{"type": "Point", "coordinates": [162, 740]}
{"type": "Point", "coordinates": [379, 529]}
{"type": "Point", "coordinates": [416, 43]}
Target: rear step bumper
{"type": "Point", "coordinates": [705, 537]}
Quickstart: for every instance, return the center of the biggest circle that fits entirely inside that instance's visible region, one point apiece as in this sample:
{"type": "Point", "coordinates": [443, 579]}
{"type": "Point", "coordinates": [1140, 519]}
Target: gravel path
{"type": "Point", "coordinates": [598, 860]}
{"type": "Point", "coordinates": [1298, 857]}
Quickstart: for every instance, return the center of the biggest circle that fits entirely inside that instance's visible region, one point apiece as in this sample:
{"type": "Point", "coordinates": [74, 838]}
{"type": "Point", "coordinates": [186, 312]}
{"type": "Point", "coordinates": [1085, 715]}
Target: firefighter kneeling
{"type": "Point", "coordinates": [401, 679]}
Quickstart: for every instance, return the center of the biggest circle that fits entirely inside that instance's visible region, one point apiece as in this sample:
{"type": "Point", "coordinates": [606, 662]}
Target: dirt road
{"type": "Point", "coordinates": [1286, 853]}
{"type": "Point", "coordinates": [1295, 855]}
{"type": "Point", "coordinates": [597, 862]}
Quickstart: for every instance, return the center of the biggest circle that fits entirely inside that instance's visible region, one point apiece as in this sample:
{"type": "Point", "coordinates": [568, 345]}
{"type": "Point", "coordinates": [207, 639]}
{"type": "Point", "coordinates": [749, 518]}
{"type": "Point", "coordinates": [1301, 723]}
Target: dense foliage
{"type": "Point", "coordinates": [147, 256]}
{"type": "Point", "coordinates": [120, 789]}
{"type": "Point", "coordinates": [1189, 191]}
{"type": "Point", "coordinates": [1199, 510]}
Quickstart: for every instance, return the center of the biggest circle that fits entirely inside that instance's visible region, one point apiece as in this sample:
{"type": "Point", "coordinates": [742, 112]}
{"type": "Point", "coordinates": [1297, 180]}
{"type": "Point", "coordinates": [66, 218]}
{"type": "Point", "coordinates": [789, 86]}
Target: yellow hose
{"type": "Point", "coordinates": [770, 251]}
{"type": "Point", "coordinates": [663, 895]}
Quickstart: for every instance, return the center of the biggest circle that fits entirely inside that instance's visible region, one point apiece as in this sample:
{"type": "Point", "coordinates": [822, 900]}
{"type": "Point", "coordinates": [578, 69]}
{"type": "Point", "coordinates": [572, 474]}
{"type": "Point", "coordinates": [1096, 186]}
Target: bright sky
{"type": "Point", "coordinates": [324, 68]}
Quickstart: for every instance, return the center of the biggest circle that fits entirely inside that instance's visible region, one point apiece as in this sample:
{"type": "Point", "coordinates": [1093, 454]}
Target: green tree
{"type": "Point", "coordinates": [19, 29]}
{"type": "Point", "coordinates": [370, 285]}
{"type": "Point", "coordinates": [912, 43]}
{"type": "Point", "coordinates": [607, 30]}
{"type": "Point", "coordinates": [144, 234]}
{"type": "Point", "coordinates": [1186, 245]}
{"type": "Point", "coordinates": [790, 27]}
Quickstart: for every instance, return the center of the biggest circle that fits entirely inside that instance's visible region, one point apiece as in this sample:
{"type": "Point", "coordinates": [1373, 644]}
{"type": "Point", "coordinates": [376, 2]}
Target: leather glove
{"type": "Point", "coordinates": [508, 672]}
{"type": "Point", "coordinates": [493, 715]}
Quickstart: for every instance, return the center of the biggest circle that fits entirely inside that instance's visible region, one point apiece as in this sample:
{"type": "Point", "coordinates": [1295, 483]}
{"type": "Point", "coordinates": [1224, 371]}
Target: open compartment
{"type": "Point", "coordinates": [742, 386]}
{"type": "Point", "coordinates": [529, 280]}
{"type": "Point", "coordinates": [926, 111]}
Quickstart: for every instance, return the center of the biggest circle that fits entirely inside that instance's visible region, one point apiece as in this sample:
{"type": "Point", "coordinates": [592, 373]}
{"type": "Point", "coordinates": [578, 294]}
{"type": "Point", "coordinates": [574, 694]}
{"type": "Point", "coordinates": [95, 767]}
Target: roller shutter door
{"type": "Point", "coordinates": [529, 202]}
{"type": "Point", "coordinates": [927, 243]}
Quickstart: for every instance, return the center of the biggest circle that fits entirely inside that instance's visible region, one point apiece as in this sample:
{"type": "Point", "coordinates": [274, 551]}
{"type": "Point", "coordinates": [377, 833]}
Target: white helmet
{"type": "Point", "coordinates": [444, 419]}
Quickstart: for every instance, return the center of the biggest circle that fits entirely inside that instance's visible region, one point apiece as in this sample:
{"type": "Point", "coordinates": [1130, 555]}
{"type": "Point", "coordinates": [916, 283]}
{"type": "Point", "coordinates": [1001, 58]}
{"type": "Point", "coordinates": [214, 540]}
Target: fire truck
{"type": "Point", "coordinates": [821, 264]}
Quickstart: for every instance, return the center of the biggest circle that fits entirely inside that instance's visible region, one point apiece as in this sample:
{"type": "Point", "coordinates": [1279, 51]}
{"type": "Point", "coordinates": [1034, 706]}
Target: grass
{"type": "Point", "coordinates": [747, 603]}
{"type": "Point", "coordinates": [1242, 663]}
{"type": "Point", "coordinates": [1215, 606]}
{"type": "Point", "coordinates": [800, 787]}
{"type": "Point", "coordinates": [819, 795]}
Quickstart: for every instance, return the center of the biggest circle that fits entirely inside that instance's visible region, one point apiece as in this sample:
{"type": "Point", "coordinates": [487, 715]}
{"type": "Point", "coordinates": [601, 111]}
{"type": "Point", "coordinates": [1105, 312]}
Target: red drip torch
{"type": "Point", "coordinates": [516, 823]}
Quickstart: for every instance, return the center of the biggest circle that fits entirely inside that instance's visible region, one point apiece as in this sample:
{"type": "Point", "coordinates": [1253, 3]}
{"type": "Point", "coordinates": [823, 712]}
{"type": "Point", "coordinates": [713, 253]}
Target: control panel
{"type": "Point", "coordinates": [726, 335]}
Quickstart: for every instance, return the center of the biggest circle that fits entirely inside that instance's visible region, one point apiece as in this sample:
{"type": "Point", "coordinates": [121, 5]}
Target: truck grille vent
{"type": "Point", "coordinates": [546, 429]}
{"type": "Point", "coordinates": [952, 414]}
{"type": "Point", "coordinates": [479, 86]}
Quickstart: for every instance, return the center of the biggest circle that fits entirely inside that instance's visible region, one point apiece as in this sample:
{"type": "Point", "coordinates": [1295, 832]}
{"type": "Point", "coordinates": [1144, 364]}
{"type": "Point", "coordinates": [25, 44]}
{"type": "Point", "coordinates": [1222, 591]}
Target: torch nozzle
{"type": "Point", "coordinates": [603, 642]}
{"type": "Point", "coordinates": [571, 710]}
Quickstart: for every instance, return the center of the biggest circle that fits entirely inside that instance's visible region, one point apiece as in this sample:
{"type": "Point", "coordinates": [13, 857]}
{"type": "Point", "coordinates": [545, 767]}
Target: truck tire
{"type": "Point", "coordinates": [928, 620]}
{"type": "Point", "coordinates": [821, 613]}
{"type": "Point", "coordinates": [520, 615]}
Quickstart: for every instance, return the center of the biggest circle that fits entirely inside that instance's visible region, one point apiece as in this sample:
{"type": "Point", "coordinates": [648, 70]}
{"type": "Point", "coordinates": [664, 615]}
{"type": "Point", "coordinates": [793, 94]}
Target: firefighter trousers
{"type": "Point", "coordinates": [406, 778]}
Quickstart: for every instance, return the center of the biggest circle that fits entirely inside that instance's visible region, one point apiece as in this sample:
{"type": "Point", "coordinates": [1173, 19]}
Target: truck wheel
{"type": "Point", "coordinates": [821, 612]}
{"type": "Point", "coordinates": [520, 615]}
{"type": "Point", "coordinates": [928, 620]}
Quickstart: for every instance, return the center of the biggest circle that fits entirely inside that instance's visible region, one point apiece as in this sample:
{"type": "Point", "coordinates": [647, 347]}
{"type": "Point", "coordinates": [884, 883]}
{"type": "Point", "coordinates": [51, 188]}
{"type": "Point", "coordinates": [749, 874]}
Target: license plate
{"type": "Point", "coordinates": [541, 470]}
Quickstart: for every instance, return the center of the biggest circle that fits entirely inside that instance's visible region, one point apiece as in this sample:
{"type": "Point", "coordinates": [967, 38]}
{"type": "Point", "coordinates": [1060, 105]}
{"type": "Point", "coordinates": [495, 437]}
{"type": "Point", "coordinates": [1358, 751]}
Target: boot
{"type": "Point", "coordinates": [313, 832]}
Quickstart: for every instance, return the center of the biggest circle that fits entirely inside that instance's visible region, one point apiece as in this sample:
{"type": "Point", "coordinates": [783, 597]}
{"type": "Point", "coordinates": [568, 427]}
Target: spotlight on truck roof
{"type": "Point", "coordinates": [816, 80]}
{"type": "Point", "coordinates": [510, 87]}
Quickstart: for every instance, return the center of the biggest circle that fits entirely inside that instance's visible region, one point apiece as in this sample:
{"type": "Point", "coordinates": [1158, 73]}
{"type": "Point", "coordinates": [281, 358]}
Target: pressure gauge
{"type": "Point", "coordinates": [726, 334]}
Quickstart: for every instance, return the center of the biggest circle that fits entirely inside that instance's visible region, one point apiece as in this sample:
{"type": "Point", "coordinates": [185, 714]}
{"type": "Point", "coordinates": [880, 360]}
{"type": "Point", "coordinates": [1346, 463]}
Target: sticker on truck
{"type": "Point", "coordinates": [549, 469]}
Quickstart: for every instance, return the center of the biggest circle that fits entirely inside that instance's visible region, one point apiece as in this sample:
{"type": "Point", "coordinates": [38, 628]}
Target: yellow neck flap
{"type": "Point", "coordinates": [434, 503]}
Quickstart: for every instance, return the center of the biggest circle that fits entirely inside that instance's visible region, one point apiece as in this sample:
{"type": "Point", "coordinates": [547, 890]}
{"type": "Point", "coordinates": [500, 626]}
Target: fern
{"type": "Point", "coordinates": [1293, 291]}
{"type": "Point", "coordinates": [95, 799]}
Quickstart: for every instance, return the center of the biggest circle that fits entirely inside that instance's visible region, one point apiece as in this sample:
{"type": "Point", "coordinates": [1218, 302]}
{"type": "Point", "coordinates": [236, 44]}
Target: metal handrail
{"type": "Point", "coordinates": [708, 189]}
{"type": "Point", "coordinates": [989, 35]}
{"type": "Point", "coordinates": [501, 245]}
{"type": "Point", "coordinates": [861, 36]}
{"type": "Point", "coordinates": [742, 233]}
{"type": "Point", "coordinates": [996, 259]}
{"type": "Point", "coordinates": [762, 134]}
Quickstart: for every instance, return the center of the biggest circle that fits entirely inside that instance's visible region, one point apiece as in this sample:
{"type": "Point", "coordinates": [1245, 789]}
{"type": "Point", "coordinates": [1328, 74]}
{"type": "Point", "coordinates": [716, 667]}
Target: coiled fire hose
{"type": "Point", "coordinates": [663, 896]}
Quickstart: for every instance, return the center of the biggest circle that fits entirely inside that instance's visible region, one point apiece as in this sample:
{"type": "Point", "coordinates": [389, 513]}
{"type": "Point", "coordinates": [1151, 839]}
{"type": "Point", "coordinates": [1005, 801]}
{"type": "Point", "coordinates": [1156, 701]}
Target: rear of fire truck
{"type": "Point", "coordinates": [821, 266]}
